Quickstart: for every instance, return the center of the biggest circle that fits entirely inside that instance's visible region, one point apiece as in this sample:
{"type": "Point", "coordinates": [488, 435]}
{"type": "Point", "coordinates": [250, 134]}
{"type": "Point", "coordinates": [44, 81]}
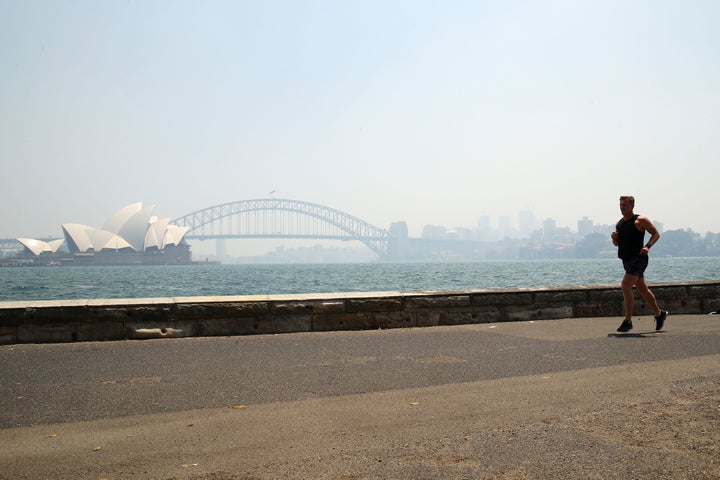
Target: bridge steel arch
{"type": "Point", "coordinates": [281, 218]}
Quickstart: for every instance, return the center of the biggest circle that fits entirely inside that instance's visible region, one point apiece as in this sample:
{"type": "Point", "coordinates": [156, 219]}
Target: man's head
{"type": "Point", "coordinates": [627, 204]}
{"type": "Point", "coordinates": [628, 198]}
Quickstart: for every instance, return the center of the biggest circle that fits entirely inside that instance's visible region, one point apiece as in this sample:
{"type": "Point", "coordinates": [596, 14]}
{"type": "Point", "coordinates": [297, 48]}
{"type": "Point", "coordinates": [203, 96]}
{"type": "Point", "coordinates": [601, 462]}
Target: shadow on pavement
{"type": "Point", "coordinates": [649, 334]}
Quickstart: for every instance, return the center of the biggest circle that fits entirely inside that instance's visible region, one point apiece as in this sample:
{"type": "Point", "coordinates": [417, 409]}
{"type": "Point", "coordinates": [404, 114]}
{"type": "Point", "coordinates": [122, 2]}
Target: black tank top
{"type": "Point", "coordinates": [630, 239]}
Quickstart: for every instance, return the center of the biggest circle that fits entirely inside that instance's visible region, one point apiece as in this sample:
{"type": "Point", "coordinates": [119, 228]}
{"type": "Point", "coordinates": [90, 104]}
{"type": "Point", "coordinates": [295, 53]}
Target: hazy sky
{"type": "Point", "coordinates": [432, 112]}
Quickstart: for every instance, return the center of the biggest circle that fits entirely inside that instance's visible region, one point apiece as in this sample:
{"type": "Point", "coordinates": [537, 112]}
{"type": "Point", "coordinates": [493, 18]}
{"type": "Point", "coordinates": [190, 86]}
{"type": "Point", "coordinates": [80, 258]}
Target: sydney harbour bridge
{"type": "Point", "coordinates": [281, 218]}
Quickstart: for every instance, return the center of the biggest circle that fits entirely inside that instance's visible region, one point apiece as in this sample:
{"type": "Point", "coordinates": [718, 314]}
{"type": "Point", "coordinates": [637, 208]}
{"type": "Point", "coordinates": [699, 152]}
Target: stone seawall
{"type": "Point", "coordinates": [118, 319]}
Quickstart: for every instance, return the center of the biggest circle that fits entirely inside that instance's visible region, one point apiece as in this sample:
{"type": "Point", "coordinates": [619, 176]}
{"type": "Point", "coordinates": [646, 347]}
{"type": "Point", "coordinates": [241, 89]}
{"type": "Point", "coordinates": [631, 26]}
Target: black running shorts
{"type": "Point", "coordinates": [636, 265]}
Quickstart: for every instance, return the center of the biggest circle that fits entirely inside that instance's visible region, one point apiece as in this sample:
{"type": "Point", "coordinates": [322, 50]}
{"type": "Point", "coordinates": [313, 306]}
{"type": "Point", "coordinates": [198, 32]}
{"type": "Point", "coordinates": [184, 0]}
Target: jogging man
{"type": "Point", "coordinates": [629, 236]}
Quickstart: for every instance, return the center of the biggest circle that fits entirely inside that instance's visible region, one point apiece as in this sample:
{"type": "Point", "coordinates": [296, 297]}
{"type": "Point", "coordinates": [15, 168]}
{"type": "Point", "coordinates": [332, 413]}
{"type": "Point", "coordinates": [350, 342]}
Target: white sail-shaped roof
{"type": "Point", "coordinates": [135, 228]}
{"type": "Point", "coordinates": [76, 237]}
{"type": "Point", "coordinates": [118, 219]}
{"type": "Point", "coordinates": [82, 238]}
{"type": "Point", "coordinates": [130, 227]}
{"type": "Point", "coordinates": [39, 246]}
{"type": "Point", "coordinates": [156, 232]}
{"type": "Point", "coordinates": [55, 244]}
{"type": "Point", "coordinates": [104, 240]}
{"type": "Point", "coordinates": [174, 235]}
{"type": "Point", "coordinates": [35, 246]}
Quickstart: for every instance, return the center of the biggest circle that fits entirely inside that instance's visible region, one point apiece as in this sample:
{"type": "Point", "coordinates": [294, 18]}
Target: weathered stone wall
{"type": "Point", "coordinates": [117, 319]}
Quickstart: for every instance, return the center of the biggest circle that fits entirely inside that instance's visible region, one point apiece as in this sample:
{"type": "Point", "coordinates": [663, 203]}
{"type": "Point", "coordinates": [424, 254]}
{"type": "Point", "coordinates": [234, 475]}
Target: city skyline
{"type": "Point", "coordinates": [535, 231]}
{"type": "Point", "coordinates": [525, 224]}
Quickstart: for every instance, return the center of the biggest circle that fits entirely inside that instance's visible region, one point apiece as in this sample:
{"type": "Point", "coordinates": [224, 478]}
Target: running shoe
{"type": "Point", "coordinates": [625, 326]}
{"type": "Point", "coordinates": [660, 319]}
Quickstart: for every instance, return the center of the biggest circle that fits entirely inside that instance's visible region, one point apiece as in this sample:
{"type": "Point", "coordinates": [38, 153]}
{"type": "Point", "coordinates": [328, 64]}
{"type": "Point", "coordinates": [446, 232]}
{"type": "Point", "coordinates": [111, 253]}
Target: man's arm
{"type": "Point", "coordinates": [614, 235]}
{"type": "Point", "coordinates": [648, 226]}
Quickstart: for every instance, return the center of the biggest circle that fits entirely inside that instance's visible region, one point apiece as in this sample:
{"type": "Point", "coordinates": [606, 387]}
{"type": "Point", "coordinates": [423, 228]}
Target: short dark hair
{"type": "Point", "coordinates": [629, 198]}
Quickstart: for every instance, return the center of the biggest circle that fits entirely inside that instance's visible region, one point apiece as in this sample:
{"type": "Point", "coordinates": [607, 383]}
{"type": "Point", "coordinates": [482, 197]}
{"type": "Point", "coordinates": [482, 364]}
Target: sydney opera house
{"type": "Point", "coordinates": [131, 236]}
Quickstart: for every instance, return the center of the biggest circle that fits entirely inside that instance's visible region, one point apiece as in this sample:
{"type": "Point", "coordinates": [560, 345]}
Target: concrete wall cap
{"type": "Point", "coordinates": [223, 299]}
{"type": "Point", "coordinates": [13, 305]}
{"type": "Point", "coordinates": [299, 297]}
{"type": "Point", "coordinates": [445, 293]}
{"type": "Point", "coordinates": [366, 295]}
{"type": "Point", "coordinates": [116, 302]}
{"type": "Point", "coordinates": [45, 304]}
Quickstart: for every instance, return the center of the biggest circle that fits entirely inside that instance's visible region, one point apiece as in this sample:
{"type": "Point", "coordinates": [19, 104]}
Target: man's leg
{"type": "Point", "coordinates": [627, 284]}
{"type": "Point", "coordinates": [647, 295]}
{"type": "Point", "coordinates": [660, 315]}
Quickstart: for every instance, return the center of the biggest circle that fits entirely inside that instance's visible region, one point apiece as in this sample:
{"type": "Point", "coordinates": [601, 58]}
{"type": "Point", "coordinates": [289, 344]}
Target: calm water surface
{"type": "Point", "coordinates": [53, 283]}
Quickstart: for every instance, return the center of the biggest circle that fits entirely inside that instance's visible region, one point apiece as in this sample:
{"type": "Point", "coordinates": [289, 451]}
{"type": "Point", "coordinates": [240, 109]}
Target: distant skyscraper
{"type": "Point", "coordinates": [526, 222]}
{"type": "Point", "coordinates": [549, 228]}
{"type": "Point", "coordinates": [585, 226]}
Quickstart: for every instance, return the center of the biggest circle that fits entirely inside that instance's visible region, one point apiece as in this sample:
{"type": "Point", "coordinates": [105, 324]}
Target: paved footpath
{"type": "Point", "coordinates": [527, 400]}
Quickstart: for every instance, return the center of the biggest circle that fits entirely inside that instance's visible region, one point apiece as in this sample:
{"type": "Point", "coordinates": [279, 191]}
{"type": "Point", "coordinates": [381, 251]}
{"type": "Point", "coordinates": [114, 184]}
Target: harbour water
{"type": "Point", "coordinates": [66, 283]}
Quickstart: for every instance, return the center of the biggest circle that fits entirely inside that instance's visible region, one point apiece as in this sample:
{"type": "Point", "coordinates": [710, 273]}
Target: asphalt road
{"type": "Point", "coordinates": [407, 403]}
